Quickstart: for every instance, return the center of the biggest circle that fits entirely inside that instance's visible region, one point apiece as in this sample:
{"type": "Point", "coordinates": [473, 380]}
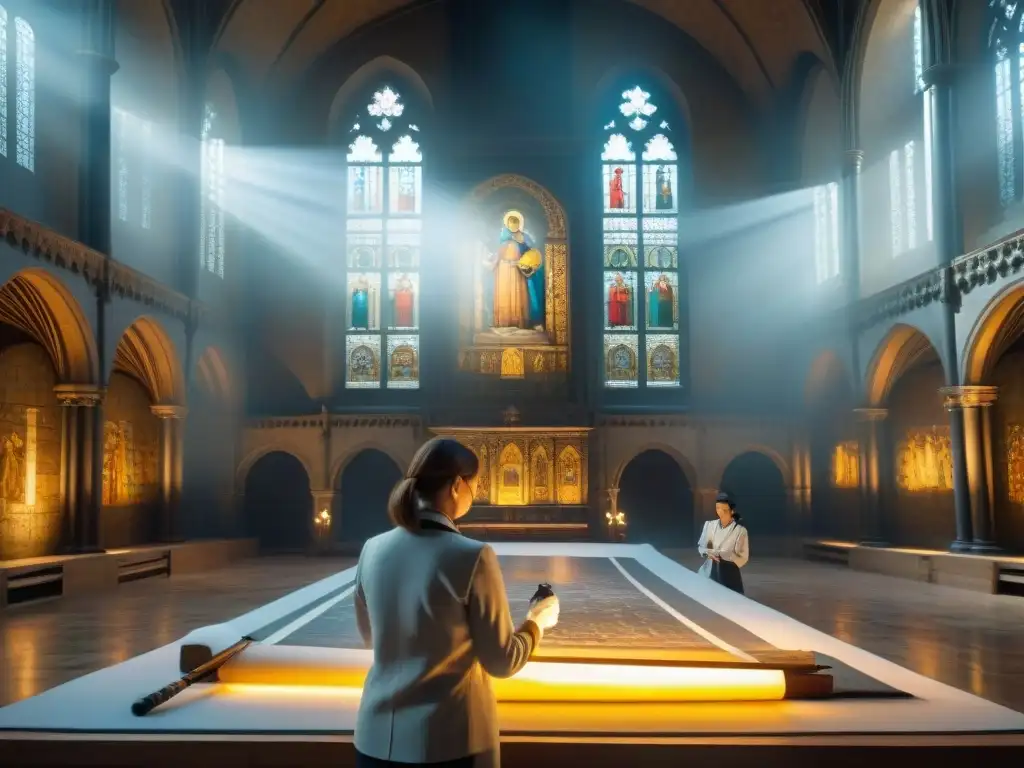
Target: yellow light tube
{"type": "Point", "coordinates": [541, 681]}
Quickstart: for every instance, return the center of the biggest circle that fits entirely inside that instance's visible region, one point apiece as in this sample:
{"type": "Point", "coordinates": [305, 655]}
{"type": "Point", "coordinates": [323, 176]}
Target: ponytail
{"type": "Point", "coordinates": [436, 465]}
{"type": "Point", "coordinates": [402, 504]}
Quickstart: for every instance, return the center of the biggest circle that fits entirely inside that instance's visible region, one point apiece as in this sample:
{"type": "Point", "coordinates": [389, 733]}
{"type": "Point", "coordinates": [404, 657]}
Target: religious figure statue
{"type": "Point", "coordinates": [660, 303]}
{"type": "Point", "coordinates": [616, 191]}
{"type": "Point", "coordinates": [663, 182]}
{"type": "Point", "coordinates": [360, 298]}
{"type": "Point", "coordinates": [518, 298]}
{"type": "Point", "coordinates": [620, 302]}
{"type": "Point", "coordinates": [12, 472]}
{"type": "Point", "coordinates": [403, 303]}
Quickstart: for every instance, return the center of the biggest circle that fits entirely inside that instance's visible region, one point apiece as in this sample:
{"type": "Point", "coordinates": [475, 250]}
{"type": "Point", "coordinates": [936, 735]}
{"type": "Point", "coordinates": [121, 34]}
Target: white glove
{"type": "Point", "coordinates": [544, 613]}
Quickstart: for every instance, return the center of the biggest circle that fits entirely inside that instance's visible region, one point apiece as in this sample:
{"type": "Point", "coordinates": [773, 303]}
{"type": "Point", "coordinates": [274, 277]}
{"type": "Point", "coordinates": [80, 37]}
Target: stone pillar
{"type": "Point", "coordinates": [954, 404]}
{"type": "Point", "coordinates": [800, 492]}
{"type": "Point", "coordinates": [81, 496]}
{"type": "Point", "coordinates": [172, 444]}
{"type": "Point", "coordinates": [322, 519]}
{"type": "Point", "coordinates": [975, 402]}
{"type": "Point", "coordinates": [850, 204]}
{"type": "Point", "coordinates": [871, 444]}
{"type": "Point", "coordinates": [96, 66]}
{"type": "Point", "coordinates": [940, 92]}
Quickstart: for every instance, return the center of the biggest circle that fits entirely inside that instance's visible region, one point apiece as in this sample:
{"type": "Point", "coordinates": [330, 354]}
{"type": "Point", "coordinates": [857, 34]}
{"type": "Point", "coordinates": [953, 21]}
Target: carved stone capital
{"type": "Point", "coordinates": [853, 160]}
{"type": "Point", "coordinates": [871, 414]}
{"type": "Point", "coordinates": [81, 395]}
{"type": "Point", "coordinates": [968, 397]}
{"type": "Point", "coordinates": [169, 411]}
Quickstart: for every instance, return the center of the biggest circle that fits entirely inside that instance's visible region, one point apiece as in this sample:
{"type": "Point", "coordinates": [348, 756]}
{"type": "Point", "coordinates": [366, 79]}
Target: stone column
{"type": "Point", "coordinates": [961, 485]}
{"type": "Point", "coordinates": [975, 402]}
{"type": "Point", "coordinates": [870, 429]}
{"type": "Point", "coordinates": [81, 496]}
{"type": "Point", "coordinates": [850, 204]}
{"type": "Point", "coordinates": [172, 442]}
{"type": "Point", "coordinates": [322, 519]}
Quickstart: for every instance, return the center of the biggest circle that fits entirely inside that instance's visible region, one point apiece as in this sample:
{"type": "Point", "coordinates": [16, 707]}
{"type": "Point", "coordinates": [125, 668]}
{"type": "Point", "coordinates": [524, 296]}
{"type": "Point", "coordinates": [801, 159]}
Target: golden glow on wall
{"type": "Point", "coordinates": [1015, 462]}
{"type": "Point", "coordinates": [541, 681]}
{"type": "Point", "coordinates": [846, 465]}
{"type": "Point", "coordinates": [924, 461]}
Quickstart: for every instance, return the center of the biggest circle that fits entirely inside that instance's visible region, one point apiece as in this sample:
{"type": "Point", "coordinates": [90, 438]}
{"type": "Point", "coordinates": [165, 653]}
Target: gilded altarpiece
{"type": "Point", "coordinates": [522, 467]}
{"type": "Point", "coordinates": [846, 465]}
{"type": "Point", "coordinates": [924, 461]}
{"type": "Point", "coordinates": [1015, 463]}
{"type": "Point", "coordinates": [514, 317]}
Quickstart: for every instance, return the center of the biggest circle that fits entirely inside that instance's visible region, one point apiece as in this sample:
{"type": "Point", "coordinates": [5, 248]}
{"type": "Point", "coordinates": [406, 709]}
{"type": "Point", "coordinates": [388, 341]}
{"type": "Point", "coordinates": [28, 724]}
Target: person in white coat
{"type": "Point", "coordinates": [724, 545]}
{"type": "Point", "coordinates": [432, 606]}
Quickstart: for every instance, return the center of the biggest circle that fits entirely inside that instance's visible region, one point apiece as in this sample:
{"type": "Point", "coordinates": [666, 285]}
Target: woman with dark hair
{"type": "Point", "coordinates": [432, 605]}
{"type": "Point", "coordinates": [724, 545]}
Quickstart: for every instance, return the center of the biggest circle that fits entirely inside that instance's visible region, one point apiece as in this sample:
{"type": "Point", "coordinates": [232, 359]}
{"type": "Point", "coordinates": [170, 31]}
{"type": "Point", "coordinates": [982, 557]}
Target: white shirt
{"type": "Point", "coordinates": [729, 543]}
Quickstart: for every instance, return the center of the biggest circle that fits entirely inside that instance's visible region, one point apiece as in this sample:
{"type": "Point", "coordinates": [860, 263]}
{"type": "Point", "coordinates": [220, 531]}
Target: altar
{"type": "Point", "coordinates": [533, 480]}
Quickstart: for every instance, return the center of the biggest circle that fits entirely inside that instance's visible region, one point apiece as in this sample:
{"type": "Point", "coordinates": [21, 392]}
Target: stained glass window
{"type": "Point", "coordinates": [3, 81]}
{"type": "Point", "coordinates": [1006, 43]}
{"type": "Point", "coordinates": [212, 234]}
{"type": "Point", "coordinates": [640, 246]}
{"type": "Point", "coordinates": [826, 231]}
{"type": "Point", "coordinates": [25, 95]}
{"type": "Point", "coordinates": [383, 240]}
{"type": "Point", "coordinates": [130, 149]}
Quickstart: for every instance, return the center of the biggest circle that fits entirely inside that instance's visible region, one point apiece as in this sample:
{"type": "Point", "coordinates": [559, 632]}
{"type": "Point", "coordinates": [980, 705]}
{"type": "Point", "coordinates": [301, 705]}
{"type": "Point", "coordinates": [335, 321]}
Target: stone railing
{"type": "Point", "coordinates": [990, 264]}
{"type": "Point", "coordinates": [99, 270]}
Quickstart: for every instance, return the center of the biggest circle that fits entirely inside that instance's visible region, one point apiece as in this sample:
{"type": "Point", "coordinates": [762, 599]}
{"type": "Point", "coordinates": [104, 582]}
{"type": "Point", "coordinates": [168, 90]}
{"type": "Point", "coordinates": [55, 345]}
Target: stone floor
{"type": "Point", "coordinates": [970, 641]}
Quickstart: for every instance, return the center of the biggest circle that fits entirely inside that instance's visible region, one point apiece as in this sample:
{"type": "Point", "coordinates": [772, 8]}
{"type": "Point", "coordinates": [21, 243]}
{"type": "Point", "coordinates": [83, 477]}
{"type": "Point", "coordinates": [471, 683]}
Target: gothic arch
{"type": "Point", "coordinates": [376, 70]}
{"type": "Point", "coordinates": [769, 453]}
{"type": "Point", "coordinates": [213, 375]}
{"type": "Point", "coordinates": [620, 73]}
{"type": "Point", "coordinates": [147, 353]}
{"type": "Point", "coordinates": [998, 326]}
{"type": "Point", "coordinates": [820, 124]}
{"type": "Point", "coordinates": [220, 93]}
{"type": "Point", "coordinates": [246, 464]}
{"type": "Point", "coordinates": [37, 303]}
{"type": "Point", "coordinates": [553, 210]}
{"type": "Point", "coordinates": [370, 445]}
{"type": "Point", "coordinates": [684, 464]}
{"type": "Point", "coordinates": [896, 354]}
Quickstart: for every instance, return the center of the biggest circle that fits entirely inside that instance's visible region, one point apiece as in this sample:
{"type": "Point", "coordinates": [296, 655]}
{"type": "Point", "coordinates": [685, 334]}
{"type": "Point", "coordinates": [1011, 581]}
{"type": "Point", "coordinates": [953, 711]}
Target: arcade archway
{"type": "Point", "coordinates": [756, 484]}
{"type": "Point", "coordinates": [278, 504]}
{"type": "Point", "coordinates": [657, 499]}
{"type": "Point", "coordinates": [364, 486]}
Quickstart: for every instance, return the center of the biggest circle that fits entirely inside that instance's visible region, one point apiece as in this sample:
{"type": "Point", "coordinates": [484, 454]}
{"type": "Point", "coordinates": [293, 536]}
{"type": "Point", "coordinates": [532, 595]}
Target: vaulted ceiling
{"type": "Point", "coordinates": [756, 41]}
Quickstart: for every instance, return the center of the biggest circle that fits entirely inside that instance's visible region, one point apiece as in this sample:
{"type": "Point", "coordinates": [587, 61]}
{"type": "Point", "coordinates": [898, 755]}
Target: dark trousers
{"type": "Point", "coordinates": [728, 575]}
{"type": "Point", "coordinates": [363, 761]}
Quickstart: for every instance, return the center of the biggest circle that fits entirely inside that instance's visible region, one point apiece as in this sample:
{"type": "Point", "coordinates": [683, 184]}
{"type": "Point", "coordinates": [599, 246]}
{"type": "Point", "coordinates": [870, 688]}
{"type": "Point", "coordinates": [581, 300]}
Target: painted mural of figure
{"type": "Point", "coordinates": [117, 470]}
{"type": "Point", "coordinates": [616, 191]}
{"type": "Point", "coordinates": [660, 304]}
{"type": "Point", "coordinates": [663, 180]}
{"type": "Point", "coordinates": [12, 472]}
{"type": "Point", "coordinates": [620, 303]}
{"type": "Point", "coordinates": [360, 298]}
{"type": "Point", "coordinates": [404, 303]}
{"type": "Point", "coordinates": [518, 300]}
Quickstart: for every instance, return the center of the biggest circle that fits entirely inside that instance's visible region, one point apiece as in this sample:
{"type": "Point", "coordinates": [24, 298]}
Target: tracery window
{"type": "Point", "coordinates": [25, 95]}
{"type": "Point", "coordinates": [826, 231]}
{"type": "Point", "coordinates": [212, 234]}
{"type": "Point", "coordinates": [383, 230]}
{"type": "Point", "coordinates": [1006, 43]}
{"type": "Point", "coordinates": [132, 147]}
{"type": "Point", "coordinates": [19, 38]}
{"type": "Point", "coordinates": [641, 286]}
{"type": "Point", "coordinates": [911, 219]}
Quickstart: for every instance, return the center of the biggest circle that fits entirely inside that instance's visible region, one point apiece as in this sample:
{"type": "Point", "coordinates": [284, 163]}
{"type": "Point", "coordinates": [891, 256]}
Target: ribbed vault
{"type": "Point", "coordinates": [147, 354]}
{"type": "Point", "coordinates": [36, 303]}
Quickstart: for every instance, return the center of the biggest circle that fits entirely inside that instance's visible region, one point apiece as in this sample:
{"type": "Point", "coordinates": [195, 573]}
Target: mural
{"type": "Point", "coordinates": [924, 461]}
{"type": "Point", "coordinates": [1015, 462]}
{"type": "Point", "coordinates": [846, 465]}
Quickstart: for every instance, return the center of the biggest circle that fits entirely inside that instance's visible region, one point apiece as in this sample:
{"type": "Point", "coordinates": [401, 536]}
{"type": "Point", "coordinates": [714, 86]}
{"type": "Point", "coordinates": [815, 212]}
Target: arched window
{"type": "Point", "coordinates": [132, 147]}
{"type": "Point", "coordinates": [640, 215]}
{"type": "Point", "coordinates": [911, 220]}
{"type": "Point", "coordinates": [211, 212]}
{"type": "Point", "coordinates": [1006, 42]}
{"type": "Point", "coordinates": [25, 95]}
{"type": "Point", "coordinates": [383, 227]}
{"type": "Point", "coordinates": [826, 231]}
